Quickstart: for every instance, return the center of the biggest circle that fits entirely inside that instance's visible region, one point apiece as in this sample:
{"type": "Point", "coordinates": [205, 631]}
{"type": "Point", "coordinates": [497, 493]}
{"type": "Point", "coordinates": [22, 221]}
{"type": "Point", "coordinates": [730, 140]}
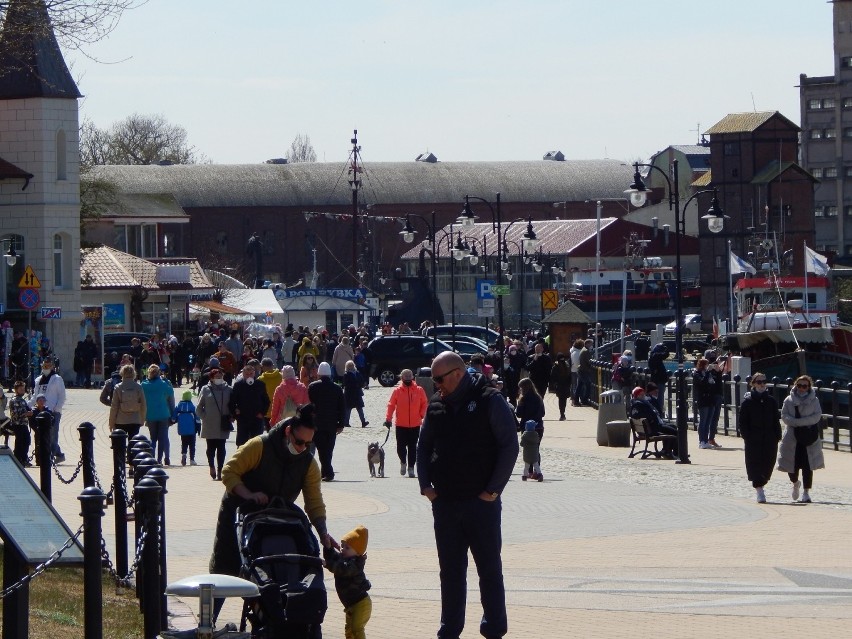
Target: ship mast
{"type": "Point", "coordinates": [355, 185]}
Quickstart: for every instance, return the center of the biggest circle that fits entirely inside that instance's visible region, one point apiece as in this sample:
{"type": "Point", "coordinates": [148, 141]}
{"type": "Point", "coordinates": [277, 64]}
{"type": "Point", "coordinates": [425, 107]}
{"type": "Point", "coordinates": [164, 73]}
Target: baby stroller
{"type": "Point", "coordinates": [280, 554]}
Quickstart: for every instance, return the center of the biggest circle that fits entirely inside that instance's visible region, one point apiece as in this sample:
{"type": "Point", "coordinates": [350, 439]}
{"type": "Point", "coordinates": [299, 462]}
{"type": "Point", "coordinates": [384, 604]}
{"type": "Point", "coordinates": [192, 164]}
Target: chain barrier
{"type": "Point", "coordinates": [59, 475]}
{"type": "Point", "coordinates": [124, 582]}
{"type": "Point", "coordinates": [38, 570]}
{"type": "Point", "coordinates": [109, 495]}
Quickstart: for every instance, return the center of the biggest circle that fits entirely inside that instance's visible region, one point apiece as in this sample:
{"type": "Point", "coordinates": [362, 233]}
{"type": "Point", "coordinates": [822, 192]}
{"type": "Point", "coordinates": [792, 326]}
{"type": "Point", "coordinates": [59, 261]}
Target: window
{"type": "Point", "coordinates": [137, 239]}
{"type": "Point", "coordinates": [846, 61]}
{"type": "Point", "coordinates": [828, 103]}
{"type": "Point", "coordinates": [831, 211]}
{"type": "Point", "coordinates": [169, 245]}
{"type": "Point", "coordinates": [61, 156]}
{"type": "Point", "coordinates": [732, 148]}
{"type": "Point", "coordinates": [847, 210]}
{"type": "Point", "coordinates": [830, 134]}
{"type": "Point", "coordinates": [817, 173]}
{"type": "Point", "coordinates": [818, 211]}
{"type": "Point", "coordinates": [718, 261]}
{"type": "Point", "coordinates": [814, 104]}
{"type": "Point", "coordinates": [847, 132]}
{"type": "Point", "coordinates": [847, 171]}
{"type": "Point", "coordinates": [849, 249]}
{"type": "Point", "coordinates": [222, 242]}
{"type": "Point", "coordinates": [847, 103]}
{"type": "Point", "coordinates": [829, 172]}
{"type": "Point", "coordinates": [58, 279]}
{"type": "Point", "coordinates": [815, 134]}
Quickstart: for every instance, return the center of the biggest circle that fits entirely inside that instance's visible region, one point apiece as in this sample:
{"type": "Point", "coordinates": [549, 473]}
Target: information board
{"type": "Point", "coordinates": [27, 520]}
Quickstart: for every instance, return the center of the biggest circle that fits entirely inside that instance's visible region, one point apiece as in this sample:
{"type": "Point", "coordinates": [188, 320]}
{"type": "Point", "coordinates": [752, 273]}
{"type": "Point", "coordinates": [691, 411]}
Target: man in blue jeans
{"type": "Point", "coordinates": [465, 455]}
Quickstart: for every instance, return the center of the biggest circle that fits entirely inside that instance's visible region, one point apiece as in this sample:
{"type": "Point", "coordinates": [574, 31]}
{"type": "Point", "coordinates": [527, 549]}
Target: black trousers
{"type": "Point", "coordinates": [324, 441]}
{"type": "Point", "coordinates": [406, 442]}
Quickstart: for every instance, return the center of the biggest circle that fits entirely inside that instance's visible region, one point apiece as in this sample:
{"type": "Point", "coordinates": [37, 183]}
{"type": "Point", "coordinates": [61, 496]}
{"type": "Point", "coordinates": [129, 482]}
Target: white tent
{"type": "Point", "coordinates": [260, 302]}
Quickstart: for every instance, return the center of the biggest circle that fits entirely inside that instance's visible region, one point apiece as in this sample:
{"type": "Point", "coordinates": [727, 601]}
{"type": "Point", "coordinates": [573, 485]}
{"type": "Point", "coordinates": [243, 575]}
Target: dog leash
{"type": "Point", "coordinates": [386, 438]}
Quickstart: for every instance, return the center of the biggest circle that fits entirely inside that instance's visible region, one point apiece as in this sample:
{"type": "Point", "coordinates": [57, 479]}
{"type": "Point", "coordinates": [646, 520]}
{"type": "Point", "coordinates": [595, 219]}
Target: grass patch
{"type": "Point", "coordinates": [56, 607]}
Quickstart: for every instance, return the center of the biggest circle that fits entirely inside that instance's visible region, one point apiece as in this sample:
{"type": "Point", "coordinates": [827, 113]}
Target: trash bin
{"type": "Point", "coordinates": [424, 380]}
{"type": "Point", "coordinates": [618, 433]}
{"type": "Point", "coordinates": [610, 409]}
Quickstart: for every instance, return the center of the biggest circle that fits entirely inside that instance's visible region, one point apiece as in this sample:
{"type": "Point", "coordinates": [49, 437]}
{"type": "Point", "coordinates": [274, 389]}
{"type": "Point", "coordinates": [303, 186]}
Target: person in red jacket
{"type": "Point", "coordinates": [408, 401]}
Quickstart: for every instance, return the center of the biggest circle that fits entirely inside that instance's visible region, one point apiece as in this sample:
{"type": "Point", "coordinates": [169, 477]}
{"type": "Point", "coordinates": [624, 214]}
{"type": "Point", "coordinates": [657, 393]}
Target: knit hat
{"type": "Point", "coordinates": [214, 362]}
{"type": "Point", "coordinates": [288, 372]}
{"type": "Point", "coordinates": [638, 391]}
{"type": "Point", "coordinates": [187, 396]}
{"type": "Point", "coordinates": [324, 370]}
{"type": "Point", "coordinates": [357, 539]}
{"type": "Point", "coordinates": [43, 396]}
{"type": "Point", "coordinates": [710, 355]}
{"type": "Point", "coordinates": [530, 424]}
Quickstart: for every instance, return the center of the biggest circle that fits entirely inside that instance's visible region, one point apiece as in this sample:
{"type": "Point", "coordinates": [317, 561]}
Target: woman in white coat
{"type": "Point", "coordinates": [213, 410]}
{"type": "Point", "coordinates": [801, 445]}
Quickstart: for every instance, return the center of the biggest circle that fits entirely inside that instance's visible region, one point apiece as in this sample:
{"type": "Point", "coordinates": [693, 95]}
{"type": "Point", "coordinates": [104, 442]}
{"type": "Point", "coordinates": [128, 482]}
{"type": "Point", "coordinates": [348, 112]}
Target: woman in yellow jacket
{"type": "Point", "coordinates": [408, 401]}
{"type": "Point", "coordinates": [306, 347]}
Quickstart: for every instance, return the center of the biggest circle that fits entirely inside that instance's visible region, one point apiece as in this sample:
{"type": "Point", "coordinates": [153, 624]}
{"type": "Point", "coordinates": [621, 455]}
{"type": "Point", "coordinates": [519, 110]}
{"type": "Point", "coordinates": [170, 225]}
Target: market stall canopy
{"type": "Point", "coordinates": [256, 301]}
{"type": "Point", "coordinates": [226, 312]}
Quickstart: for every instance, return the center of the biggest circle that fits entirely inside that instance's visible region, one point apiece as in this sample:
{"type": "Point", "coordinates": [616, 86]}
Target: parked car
{"type": "Point", "coordinates": [691, 324]}
{"type": "Point", "coordinates": [465, 346]}
{"type": "Point", "coordinates": [392, 353]}
{"type": "Point", "coordinates": [445, 331]}
{"type": "Point", "coordinates": [120, 342]}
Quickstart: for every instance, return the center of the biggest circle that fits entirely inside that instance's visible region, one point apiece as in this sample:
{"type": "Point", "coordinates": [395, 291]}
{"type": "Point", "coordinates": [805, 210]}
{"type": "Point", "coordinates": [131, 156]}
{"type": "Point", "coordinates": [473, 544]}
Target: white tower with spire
{"type": "Point", "coordinates": [39, 174]}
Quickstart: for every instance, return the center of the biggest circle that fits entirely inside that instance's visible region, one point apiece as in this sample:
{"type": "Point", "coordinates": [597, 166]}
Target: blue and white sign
{"type": "Point", "coordinates": [2, 308]}
{"type": "Point", "coordinates": [342, 293]}
{"type": "Point", "coordinates": [483, 289]}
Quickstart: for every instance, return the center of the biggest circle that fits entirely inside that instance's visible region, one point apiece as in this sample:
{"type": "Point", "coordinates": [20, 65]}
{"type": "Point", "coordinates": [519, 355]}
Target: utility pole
{"type": "Point", "coordinates": [355, 185]}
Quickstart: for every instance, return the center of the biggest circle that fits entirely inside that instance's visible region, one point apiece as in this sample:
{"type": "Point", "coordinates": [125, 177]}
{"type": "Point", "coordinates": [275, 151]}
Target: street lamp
{"type": "Point", "coordinates": [638, 194]}
{"type": "Point", "coordinates": [12, 255]}
{"type": "Point", "coordinates": [408, 233]}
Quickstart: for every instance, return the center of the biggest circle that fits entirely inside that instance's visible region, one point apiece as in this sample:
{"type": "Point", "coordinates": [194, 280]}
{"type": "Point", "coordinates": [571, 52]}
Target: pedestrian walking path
{"type": "Point", "coordinates": [605, 547]}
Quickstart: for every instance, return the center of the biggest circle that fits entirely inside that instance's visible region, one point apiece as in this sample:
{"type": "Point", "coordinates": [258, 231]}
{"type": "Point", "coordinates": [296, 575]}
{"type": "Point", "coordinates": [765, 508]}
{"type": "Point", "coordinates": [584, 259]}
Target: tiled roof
{"type": "Point", "coordinates": [568, 313]}
{"type": "Point", "coordinates": [558, 237]}
{"type": "Point", "coordinates": [314, 184]}
{"type": "Point", "coordinates": [692, 149]}
{"type": "Point", "coordinates": [108, 268]}
{"type": "Point", "coordinates": [703, 181]}
{"type": "Point", "coordinates": [774, 169]}
{"type": "Point", "coordinates": [743, 122]}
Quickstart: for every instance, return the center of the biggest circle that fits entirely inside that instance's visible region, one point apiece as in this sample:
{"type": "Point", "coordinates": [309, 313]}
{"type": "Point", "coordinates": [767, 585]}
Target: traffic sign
{"type": "Point", "coordinates": [29, 298]}
{"type": "Point", "coordinates": [29, 279]}
{"type": "Point", "coordinates": [484, 289]}
{"type": "Point", "coordinates": [550, 299]}
{"type": "Point", "coordinates": [500, 289]}
{"type": "Point", "coordinates": [51, 312]}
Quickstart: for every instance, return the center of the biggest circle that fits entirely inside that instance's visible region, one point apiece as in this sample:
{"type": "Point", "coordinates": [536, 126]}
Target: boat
{"type": "Point", "coordinates": [786, 337]}
{"type": "Point", "coordinates": [644, 290]}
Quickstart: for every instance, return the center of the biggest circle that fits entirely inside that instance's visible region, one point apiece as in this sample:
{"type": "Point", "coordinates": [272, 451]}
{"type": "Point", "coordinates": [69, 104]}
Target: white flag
{"type": "Point", "coordinates": [815, 263]}
{"type": "Point", "coordinates": [739, 265]}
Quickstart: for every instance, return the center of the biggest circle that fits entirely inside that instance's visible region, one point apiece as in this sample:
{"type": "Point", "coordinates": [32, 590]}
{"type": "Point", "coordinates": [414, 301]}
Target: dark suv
{"type": "Point", "coordinates": [391, 353]}
{"type": "Point", "coordinates": [120, 342]}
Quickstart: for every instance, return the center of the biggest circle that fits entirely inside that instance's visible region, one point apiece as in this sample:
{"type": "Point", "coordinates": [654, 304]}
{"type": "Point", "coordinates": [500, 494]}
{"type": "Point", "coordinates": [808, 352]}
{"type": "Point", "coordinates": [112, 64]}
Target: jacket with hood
{"type": "Point", "coordinates": [809, 414]}
{"type": "Point", "coordinates": [409, 403]}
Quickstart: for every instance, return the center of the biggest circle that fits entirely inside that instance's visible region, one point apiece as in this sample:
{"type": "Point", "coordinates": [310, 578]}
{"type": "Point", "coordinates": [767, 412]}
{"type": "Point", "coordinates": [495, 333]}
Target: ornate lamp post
{"type": "Point", "coordinates": [638, 194]}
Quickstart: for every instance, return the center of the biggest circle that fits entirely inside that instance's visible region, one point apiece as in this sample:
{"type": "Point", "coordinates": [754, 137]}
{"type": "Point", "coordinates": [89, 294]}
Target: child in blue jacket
{"type": "Point", "coordinates": [188, 426]}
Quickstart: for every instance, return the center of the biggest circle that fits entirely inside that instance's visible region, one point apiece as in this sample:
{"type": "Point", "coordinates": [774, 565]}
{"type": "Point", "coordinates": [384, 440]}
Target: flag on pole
{"type": "Point", "coordinates": [739, 265]}
{"type": "Point", "coordinates": [815, 263]}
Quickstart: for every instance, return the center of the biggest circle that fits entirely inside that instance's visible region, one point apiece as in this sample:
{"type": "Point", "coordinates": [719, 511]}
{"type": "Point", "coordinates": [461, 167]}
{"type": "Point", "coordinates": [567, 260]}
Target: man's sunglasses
{"type": "Point", "coordinates": [299, 442]}
{"type": "Point", "coordinates": [439, 379]}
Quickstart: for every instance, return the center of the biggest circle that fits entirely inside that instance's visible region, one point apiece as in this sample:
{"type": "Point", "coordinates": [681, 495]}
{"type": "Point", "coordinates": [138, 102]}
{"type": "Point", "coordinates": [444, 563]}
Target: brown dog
{"type": "Point", "coordinates": [376, 455]}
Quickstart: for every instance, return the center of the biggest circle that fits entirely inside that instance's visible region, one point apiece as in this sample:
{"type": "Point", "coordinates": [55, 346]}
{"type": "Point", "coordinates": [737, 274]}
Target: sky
{"type": "Point", "coordinates": [468, 80]}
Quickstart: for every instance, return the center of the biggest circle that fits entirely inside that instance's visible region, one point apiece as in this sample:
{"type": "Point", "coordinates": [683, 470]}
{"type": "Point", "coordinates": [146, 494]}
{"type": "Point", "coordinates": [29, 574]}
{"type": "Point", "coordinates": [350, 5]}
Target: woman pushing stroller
{"type": "Point", "coordinates": [275, 464]}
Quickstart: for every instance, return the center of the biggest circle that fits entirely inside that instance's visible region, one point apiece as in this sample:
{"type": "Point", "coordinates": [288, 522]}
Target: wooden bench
{"type": "Point", "coordinates": [642, 432]}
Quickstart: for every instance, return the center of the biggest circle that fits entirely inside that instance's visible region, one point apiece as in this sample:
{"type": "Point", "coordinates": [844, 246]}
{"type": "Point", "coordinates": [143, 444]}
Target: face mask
{"type": "Point", "coordinates": [249, 380]}
{"type": "Point", "coordinates": [218, 381]}
{"type": "Point", "coordinates": [408, 382]}
{"type": "Point", "coordinates": [802, 393]}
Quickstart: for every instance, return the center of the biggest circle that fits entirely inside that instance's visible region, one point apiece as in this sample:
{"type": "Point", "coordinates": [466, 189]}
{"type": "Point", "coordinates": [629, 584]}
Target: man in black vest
{"type": "Point", "coordinates": [467, 449]}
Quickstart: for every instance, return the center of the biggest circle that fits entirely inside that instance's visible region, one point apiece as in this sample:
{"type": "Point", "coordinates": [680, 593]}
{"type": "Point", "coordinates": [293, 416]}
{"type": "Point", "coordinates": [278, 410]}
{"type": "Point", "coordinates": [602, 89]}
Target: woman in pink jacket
{"type": "Point", "coordinates": [408, 401]}
{"type": "Point", "coordinates": [289, 388]}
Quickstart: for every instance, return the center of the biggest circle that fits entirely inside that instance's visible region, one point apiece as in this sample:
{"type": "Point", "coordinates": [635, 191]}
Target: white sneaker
{"type": "Point", "coordinates": [411, 471]}
{"type": "Point", "coordinates": [806, 498]}
{"type": "Point", "coordinates": [704, 445]}
{"type": "Point", "coordinates": [796, 486]}
{"type": "Point", "coordinates": [402, 469]}
{"type": "Point", "coordinates": [761, 496]}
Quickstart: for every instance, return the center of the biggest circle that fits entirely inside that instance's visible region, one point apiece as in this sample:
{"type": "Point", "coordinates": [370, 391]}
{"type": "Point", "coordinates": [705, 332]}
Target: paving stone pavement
{"type": "Point", "coordinates": [605, 547]}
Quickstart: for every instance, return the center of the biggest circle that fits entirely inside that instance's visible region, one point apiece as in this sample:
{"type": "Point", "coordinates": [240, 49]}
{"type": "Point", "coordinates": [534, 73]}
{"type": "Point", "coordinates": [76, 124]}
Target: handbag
{"type": "Point", "coordinates": [805, 435]}
{"type": "Point", "coordinates": [225, 422]}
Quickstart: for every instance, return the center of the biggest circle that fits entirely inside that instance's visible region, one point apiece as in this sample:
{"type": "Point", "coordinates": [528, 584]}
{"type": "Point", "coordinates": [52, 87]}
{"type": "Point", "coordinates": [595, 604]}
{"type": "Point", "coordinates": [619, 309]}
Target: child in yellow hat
{"type": "Point", "coordinates": [351, 583]}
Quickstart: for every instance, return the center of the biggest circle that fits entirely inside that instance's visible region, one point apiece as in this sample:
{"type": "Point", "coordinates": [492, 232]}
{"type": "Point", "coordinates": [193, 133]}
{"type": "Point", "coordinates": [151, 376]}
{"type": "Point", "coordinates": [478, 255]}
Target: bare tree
{"type": "Point", "coordinates": [76, 23]}
{"type": "Point", "coordinates": [301, 150]}
{"type": "Point", "coordinates": [138, 139]}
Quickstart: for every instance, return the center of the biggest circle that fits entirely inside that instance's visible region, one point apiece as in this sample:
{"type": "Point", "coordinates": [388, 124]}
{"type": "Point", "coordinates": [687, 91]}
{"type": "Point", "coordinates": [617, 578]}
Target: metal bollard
{"type": "Point", "coordinates": [87, 447]}
{"type": "Point", "coordinates": [44, 423]}
{"type": "Point", "coordinates": [148, 500]}
{"type": "Point", "coordinates": [131, 444]}
{"type": "Point", "coordinates": [92, 501]}
{"type": "Point", "coordinates": [161, 477]}
{"type": "Point", "coordinates": [118, 439]}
